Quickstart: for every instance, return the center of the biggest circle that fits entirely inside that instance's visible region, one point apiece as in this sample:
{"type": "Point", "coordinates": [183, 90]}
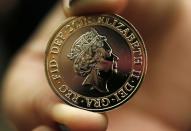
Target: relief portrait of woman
{"type": "Point", "coordinates": [94, 60]}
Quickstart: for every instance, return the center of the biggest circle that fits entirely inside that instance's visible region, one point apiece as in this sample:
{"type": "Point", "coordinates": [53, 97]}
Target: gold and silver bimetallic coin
{"type": "Point", "coordinates": [96, 62]}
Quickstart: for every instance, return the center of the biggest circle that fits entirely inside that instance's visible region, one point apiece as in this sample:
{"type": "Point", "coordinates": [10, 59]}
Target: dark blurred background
{"type": "Point", "coordinates": [18, 20]}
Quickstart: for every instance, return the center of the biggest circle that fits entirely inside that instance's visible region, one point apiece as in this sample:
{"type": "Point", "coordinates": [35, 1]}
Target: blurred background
{"type": "Point", "coordinates": [18, 20]}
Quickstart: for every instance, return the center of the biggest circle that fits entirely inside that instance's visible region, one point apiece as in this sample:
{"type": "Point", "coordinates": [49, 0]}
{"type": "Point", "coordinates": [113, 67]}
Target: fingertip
{"type": "Point", "coordinates": [83, 7]}
{"type": "Point", "coordinates": [78, 119]}
{"type": "Point", "coordinates": [44, 128]}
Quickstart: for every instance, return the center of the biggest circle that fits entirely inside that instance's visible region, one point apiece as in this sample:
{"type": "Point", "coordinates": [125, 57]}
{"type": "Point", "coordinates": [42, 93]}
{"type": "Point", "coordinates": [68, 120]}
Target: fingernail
{"type": "Point", "coordinates": [88, 2]}
{"type": "Point", "coordinates": [79, 7]}
{"type": "Point", "coordinates": [72, 2]}
{"type": "Point", "coordinates": [62, 127]}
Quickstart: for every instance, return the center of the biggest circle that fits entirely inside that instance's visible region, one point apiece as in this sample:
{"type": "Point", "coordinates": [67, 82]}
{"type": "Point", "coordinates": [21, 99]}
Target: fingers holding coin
{"type": "Point", "coordinates": [74, 119]}
{"type": "Point", "coordinates": [79, 7]}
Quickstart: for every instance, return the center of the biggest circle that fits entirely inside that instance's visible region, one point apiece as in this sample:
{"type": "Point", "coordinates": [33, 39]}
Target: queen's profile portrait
{"type": "Point", "coordinates": [94, 60]}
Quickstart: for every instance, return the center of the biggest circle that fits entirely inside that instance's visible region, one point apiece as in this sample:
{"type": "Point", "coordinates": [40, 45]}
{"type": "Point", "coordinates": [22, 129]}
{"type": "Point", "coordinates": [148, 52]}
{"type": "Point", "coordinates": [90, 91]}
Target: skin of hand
{"type": "Point", "coordinates": [161, 104]}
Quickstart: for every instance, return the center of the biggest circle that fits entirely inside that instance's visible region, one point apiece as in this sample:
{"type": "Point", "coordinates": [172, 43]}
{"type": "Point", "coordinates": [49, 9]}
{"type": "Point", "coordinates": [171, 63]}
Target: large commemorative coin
{"type": "Point", "coordinates": [95, 62]}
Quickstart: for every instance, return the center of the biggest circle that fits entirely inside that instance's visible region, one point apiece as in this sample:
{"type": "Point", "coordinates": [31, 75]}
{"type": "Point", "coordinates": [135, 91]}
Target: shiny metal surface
{"type": "Point", "coordinates": [96, 62]}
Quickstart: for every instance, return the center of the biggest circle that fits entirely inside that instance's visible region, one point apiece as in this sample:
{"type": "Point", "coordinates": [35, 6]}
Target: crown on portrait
{"type": "Point", "coordinates": [91, 40]}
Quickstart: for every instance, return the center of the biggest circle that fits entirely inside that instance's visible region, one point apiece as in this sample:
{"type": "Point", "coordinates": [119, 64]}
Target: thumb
{"type": "Point", "coordinates": [73, 118]}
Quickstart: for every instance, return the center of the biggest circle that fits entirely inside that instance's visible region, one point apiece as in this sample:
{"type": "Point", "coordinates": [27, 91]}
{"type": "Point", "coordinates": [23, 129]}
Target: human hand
{"type": "Point", "coordinates": [29, 102]}
{"type": "Point", "coordinates": [163, 101]}
{"type": "Point", "coordinates": [161, 104]}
